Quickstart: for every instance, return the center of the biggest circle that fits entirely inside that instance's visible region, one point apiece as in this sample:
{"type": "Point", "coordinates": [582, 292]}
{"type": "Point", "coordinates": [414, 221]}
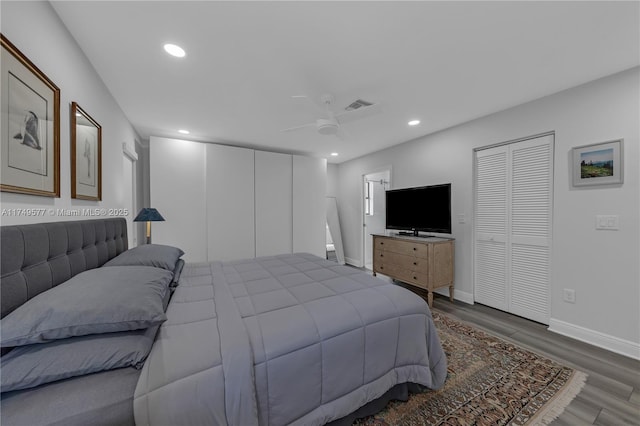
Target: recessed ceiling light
{"type": "Point", "coordinates": [174, 50]}
{"type": "Point", "coordinates": [414, 122]}
{"type": "Point", "coordinates": [334, 154]}
{"type": "Point", "coordinates": [184, 132]}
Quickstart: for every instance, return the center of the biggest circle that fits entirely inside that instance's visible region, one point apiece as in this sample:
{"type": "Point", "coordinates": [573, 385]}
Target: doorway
{"type": "Point", "coordinates": [374, 210]}
{"type": "Point", "coordinates": [129, 173]}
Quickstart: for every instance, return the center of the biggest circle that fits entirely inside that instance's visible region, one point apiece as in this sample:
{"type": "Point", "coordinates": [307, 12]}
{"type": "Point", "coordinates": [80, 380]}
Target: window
{"type": "Point", "coordinates": [368, 198]}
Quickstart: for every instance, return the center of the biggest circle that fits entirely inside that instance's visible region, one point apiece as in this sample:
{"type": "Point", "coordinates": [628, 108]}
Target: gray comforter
{"type": "Point", "coordinates": [290, 339]}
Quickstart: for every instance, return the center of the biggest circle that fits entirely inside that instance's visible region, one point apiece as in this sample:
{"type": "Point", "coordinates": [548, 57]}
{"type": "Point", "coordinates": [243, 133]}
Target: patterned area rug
{"type": "Point", "coordinates": [489, 382]}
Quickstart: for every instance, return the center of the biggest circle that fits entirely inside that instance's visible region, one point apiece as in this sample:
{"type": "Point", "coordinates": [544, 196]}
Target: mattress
{"type": "Point", "coordinates": [95, 399]}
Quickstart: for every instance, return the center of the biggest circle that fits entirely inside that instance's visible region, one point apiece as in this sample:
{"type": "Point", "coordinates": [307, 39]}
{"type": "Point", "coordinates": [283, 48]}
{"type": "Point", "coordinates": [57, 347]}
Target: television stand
{"type": "Point", "coordinates": [427, 263]}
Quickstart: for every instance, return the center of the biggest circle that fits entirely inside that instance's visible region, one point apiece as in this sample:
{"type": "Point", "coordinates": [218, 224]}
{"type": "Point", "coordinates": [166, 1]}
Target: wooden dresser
{"type": "Point", "coordinates": [423, 262]}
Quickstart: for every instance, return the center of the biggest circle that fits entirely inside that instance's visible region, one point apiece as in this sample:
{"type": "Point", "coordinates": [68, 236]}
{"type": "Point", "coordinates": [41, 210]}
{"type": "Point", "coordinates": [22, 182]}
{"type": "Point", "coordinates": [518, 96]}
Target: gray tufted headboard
{"type": "Point", "coordinates": [36, 257]}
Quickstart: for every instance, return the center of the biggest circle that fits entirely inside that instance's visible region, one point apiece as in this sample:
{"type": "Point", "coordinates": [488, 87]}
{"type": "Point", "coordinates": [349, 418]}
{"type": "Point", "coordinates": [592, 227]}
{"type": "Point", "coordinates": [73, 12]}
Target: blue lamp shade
{"type": "Point", "coordinates": [149, 215]}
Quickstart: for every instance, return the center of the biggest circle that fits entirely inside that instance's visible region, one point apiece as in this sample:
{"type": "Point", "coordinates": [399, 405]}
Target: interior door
{"type": "Point", "coordinates": [491, 227]}
{"type": "Point", "coordinates": [531, 212]}
{"type": "Point", "coordinates": [513, 234]}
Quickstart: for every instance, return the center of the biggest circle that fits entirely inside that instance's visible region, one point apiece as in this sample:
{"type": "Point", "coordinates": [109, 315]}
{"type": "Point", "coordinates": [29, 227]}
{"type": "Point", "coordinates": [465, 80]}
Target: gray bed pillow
{"type": "Point", "coordinates": [157, 255]}
{"type": "Point", "coordinates": [96, 301]}
{"type": "Point", "coordinates": [33, 365]}
{"type": "Point", "coordinates": [177, 272]}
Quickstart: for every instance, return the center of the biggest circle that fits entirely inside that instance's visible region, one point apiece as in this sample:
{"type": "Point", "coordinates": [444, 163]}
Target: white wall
{"type": "Point", "coordinates": [602, 266]}
{"type": "Point", "coordinates": [35, 29]}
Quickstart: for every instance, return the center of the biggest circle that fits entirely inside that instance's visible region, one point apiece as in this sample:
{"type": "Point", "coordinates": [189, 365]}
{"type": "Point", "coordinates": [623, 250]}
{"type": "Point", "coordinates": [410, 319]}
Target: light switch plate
{"type": "Point", "coordinates": [607, 222]}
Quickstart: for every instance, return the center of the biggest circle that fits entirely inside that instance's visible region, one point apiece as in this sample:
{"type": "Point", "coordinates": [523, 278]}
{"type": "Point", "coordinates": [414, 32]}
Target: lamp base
{"type": "Point", "coordinates": [148, 232]}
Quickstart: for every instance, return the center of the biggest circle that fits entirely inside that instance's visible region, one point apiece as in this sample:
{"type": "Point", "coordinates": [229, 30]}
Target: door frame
{"type": "Point", "coordinates": [131, 157]}
{"type": "Point", "coordinates": [363, 235]}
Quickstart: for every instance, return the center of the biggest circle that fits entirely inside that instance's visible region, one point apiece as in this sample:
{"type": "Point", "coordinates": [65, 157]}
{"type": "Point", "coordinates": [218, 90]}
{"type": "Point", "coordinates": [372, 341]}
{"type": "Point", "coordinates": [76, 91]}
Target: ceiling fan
{"type": "Point", "coordinates": [330, 123]}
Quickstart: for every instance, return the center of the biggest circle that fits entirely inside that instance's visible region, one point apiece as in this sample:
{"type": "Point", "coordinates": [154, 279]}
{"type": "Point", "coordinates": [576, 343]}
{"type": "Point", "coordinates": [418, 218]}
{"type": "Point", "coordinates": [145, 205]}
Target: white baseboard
{"type": "Point", "coordinates": [596, 338]}
{"type": "Point", "coordinates": [353, 262]}
{"type": "Point", "coordinates": [462, 296]}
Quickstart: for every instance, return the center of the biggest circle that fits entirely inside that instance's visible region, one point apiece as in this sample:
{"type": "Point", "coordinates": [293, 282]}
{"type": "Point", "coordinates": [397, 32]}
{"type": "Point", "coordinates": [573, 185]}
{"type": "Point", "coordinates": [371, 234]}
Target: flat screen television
{"type": "Point", "coordinates": [425, 208]}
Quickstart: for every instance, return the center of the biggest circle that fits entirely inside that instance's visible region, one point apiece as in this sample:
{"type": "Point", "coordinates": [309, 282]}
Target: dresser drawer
{"type": "Point", "coordinates": [408, 248]}
{"type": "Point", "coordinates": [402, 274]}
{"type": "Point", "coordinates": [403, 261]}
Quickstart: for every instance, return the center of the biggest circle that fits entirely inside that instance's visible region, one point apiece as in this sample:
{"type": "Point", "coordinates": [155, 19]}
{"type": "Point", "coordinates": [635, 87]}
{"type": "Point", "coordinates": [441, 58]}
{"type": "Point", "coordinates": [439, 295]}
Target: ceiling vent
{"type": "Point", "coordinates": [358, 104]}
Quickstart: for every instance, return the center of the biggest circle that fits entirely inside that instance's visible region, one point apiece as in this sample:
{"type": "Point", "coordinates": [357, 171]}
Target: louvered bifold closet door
{"type": "Point", "coordinates": [513, 208]}
{"type": "Point", "coordinates": [491, 225]}
{"type": "Point", "coordinates": [531, 209]}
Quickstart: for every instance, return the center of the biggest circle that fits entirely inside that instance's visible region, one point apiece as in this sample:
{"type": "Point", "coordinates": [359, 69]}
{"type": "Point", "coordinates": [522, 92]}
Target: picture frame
{"type": "Point", "coordinates": [598, 164]}
{"type": "Point", "coordinates": [30, 123]}
{"type": "Point", "coordinates": [86, 155]}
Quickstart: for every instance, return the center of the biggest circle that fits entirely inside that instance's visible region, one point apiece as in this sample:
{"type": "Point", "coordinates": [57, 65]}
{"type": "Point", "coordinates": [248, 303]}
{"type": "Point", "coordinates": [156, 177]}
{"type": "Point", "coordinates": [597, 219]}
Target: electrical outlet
{"type": "Point", "coordinates": [569, 295]}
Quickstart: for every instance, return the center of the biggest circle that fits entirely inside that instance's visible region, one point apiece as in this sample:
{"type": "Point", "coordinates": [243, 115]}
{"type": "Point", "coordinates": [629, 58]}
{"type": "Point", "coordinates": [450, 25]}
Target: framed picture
{"type": "Point", "coordinates": [86, 156]}
{"type": "Point", "coordinates": [30, 127]}
{"type": "Point", "coordinates": [598, 164]}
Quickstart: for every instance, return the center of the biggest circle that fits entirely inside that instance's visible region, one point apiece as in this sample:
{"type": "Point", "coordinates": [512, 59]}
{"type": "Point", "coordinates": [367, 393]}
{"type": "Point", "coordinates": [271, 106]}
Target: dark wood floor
{"type": "Point", "coordinates": [611, 395]}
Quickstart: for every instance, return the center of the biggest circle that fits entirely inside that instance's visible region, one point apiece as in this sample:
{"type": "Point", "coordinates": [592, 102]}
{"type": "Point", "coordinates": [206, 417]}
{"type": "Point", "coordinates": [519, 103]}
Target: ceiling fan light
{"type": "Point", "coordinates": [327, 127]}
{"type": "Point", "coordinates": [413, 122]}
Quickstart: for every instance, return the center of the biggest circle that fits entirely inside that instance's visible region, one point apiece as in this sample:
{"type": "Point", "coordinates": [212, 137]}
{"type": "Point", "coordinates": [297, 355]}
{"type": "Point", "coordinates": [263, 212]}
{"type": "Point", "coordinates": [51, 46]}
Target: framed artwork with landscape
{"type": "Point", "coordinates": [598, 164]}
{"type": "Point", "coordinates": [86, 156]}
{"type": "Point", "coordinates": [30, 123]}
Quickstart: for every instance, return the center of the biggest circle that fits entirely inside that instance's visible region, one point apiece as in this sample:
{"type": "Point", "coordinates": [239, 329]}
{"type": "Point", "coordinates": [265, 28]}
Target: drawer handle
{"type": "Point", "coordinates": [381, 255]}
{"type": "Point", "coordinates": [414, 249]}
{"type": "Point", "coordinates": [415, 263]}
{"type": "Point", "coordinates": [382, 267]}
{"type": "Point", "coordinates": [381, 243]}
{"type": "Point", "coordinates": [414, 278]}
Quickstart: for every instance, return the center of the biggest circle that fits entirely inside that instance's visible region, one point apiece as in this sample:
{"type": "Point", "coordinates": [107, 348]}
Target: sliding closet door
{"type": "Point", "coordinates": [514, 188]}
{"type": "Point", "coordinates": [177, 184]}
{"type": "Point", "coordinates": [273, 197]}
{"type": "Point", "coordinates": [309, 205]}
{"type": "Point", "coordinates": [230, 202]}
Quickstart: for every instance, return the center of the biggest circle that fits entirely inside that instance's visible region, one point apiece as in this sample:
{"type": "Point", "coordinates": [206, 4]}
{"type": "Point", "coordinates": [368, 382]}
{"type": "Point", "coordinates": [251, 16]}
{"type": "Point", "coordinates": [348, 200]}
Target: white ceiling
{"type": "Point", "coordinates": [441, 62]}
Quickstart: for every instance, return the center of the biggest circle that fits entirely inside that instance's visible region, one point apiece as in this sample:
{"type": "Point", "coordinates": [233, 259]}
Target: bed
{"type": "Point", "coordinates": [288, 339]}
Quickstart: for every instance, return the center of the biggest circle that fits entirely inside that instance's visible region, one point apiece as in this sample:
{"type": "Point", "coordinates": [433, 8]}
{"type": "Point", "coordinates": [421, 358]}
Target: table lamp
{"type": "Point", "coordinates": [148, 214]}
